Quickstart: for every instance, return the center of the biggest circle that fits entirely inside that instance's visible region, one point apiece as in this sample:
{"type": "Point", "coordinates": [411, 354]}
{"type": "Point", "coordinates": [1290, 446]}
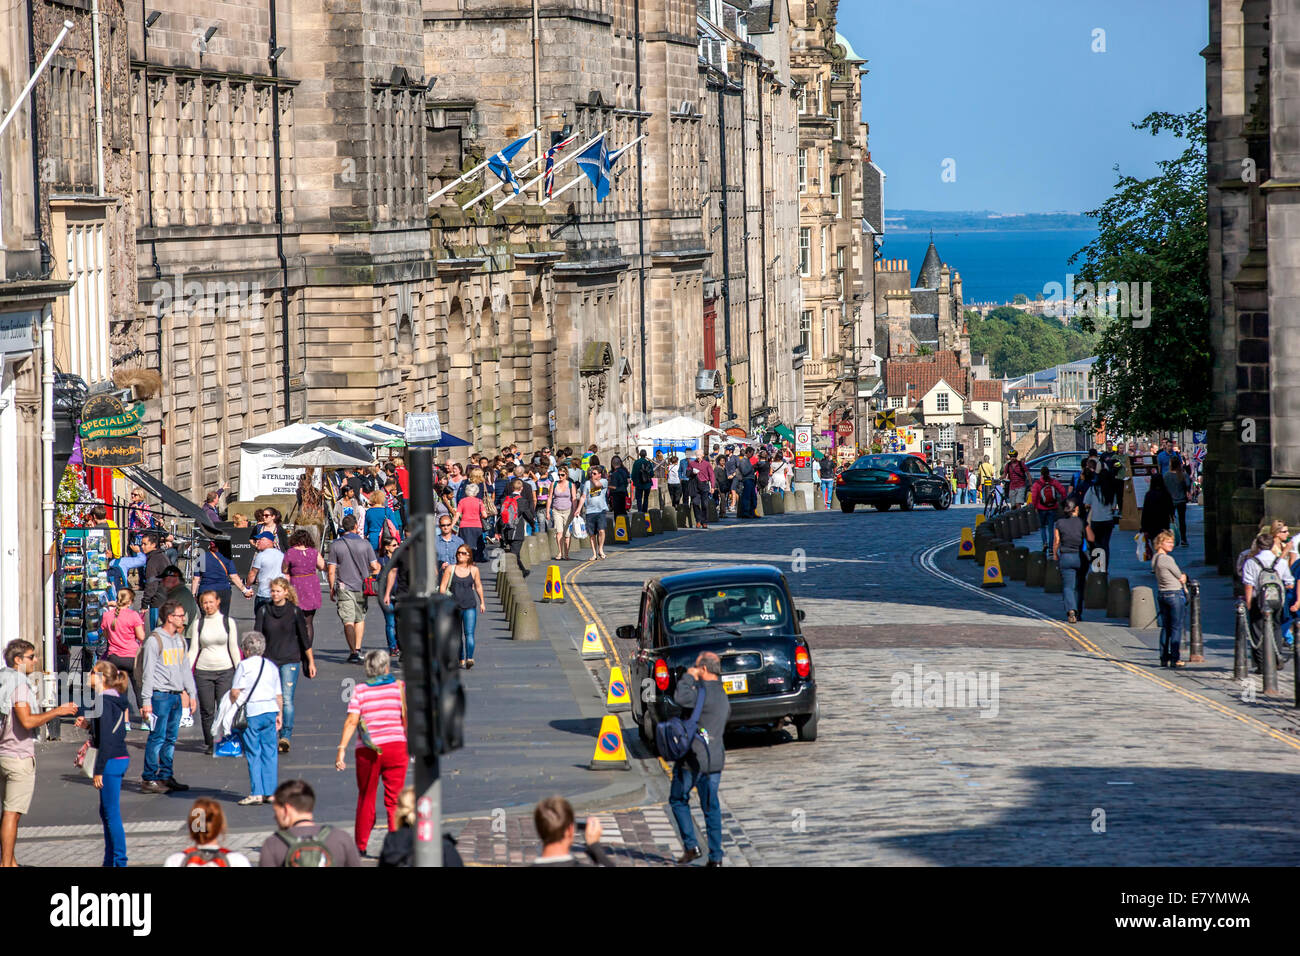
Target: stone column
{"type": "Point", "coordinates": [1282, 491]}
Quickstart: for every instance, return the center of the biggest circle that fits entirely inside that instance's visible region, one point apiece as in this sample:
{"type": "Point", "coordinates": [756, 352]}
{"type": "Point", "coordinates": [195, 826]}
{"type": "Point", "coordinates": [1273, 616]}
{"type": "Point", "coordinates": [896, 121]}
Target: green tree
{"type": "Point", "coordinates": [1020, 299]}
{"type": "Point", "coordinates": [1017, 341]}
{"type": "Point", "coordinates": [1152, 377]}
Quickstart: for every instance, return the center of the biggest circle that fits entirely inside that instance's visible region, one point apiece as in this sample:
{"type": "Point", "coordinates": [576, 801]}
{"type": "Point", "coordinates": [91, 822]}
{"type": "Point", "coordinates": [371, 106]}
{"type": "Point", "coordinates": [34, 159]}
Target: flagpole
{"type": "Point", "coordinates": [464, 176]}
{"type": "Point", "coordinates": [577, 152]}
{"type": "Point", "coordinates": [573, 182]}
{"type": "Point", "coordinates": [501, 182]}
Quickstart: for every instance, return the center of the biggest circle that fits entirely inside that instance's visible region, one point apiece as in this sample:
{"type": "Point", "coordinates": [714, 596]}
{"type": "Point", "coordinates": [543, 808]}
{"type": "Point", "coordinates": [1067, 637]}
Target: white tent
{"type": "Point", "coordinates": [260, 455]}
{"type": "Point", "coordinates": [680, 434]}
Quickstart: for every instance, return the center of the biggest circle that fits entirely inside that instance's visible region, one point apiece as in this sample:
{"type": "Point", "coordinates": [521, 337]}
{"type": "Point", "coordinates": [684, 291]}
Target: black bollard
{"type": "Point", "coordinates": [1197, 638]}
{"type": "Point", "coordinates": [1240, 668]}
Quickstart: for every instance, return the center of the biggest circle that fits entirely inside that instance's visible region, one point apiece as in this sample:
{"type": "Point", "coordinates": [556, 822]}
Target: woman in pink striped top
{"type": "Point", "coordinates": [377, 710]}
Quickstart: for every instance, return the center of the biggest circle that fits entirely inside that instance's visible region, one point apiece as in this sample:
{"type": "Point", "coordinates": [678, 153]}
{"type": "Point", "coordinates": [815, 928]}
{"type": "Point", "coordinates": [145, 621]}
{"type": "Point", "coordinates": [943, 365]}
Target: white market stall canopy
{"type": "Point", "coordinates": [260, 472]}
{"type": "Point", "coordinates": [679, 434]}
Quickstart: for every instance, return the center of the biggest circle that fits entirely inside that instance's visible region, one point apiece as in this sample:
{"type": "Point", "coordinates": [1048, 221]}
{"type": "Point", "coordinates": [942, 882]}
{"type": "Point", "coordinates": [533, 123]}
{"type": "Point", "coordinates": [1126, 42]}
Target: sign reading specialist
{"type": "Point", "coordinates": [110, 433]}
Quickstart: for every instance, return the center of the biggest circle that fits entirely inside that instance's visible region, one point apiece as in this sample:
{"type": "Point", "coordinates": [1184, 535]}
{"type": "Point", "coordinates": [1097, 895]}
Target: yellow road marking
{"type": "Point", "coordinates": [1079, 638]}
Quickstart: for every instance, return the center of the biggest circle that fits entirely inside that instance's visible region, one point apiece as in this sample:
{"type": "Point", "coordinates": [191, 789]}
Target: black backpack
{"type": "Point", "coordinates": [674, 737]}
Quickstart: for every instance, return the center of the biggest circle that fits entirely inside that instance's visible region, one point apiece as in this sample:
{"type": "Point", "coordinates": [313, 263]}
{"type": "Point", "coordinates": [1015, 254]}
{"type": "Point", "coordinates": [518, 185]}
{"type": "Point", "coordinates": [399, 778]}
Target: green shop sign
{"type": "Point", "coordinates": [106, 417]}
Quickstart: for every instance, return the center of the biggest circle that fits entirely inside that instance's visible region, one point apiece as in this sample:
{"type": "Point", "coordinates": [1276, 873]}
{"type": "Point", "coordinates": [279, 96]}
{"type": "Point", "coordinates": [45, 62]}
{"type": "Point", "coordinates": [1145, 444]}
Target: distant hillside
{"type": "Point", "coordinates": [982, 220]}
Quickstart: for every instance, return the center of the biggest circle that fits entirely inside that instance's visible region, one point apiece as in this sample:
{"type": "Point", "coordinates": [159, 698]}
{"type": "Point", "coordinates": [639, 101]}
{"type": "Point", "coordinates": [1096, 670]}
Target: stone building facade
{"type": "Point", "coordinates": [66, 262]}
{"type": "Point", "coordinates": [925, 316]}
{"type": "Point", "coordinates": [836, 251]}
{"type": "Point", "coordinates": [290, 268]}
{"type": "Point", "coordinates": [743, 163]}
{"type": "Point", "coordinates": [1252, 467]}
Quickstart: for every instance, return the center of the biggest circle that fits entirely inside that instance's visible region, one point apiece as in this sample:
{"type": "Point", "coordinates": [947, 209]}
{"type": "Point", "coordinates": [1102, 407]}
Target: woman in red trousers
{"type": "Point", "coordinates": [377, 713]}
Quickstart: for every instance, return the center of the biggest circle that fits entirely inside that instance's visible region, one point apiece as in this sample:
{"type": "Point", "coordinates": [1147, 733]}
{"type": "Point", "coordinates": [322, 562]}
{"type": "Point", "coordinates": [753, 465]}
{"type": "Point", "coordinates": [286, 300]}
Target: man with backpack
{"type": "Point", "coordinates": [516, 512]}
{"type": "Point", "coordinates": [1047, 495]}
{"type": "Point", "coordinates": [643, 476]}
{"type": "Point", "coordinates": [700, 767]}
{"type": "Point", "coordinates": [1017, 476]}
{"type": "Point", "coordinates": [1266, 578]}
{"type": "Point", "coordinates": [301, 841]}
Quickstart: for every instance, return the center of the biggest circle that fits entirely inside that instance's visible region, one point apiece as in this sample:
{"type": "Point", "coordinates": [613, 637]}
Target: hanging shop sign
{"type": "Point", "coordinates": [104, 416]}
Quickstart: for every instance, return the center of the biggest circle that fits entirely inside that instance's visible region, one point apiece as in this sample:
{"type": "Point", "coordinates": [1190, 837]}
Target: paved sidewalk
{"type": "Point", "coordinates": [1212, 678]}
{"type": "Point", "coordinates": [531, 723]}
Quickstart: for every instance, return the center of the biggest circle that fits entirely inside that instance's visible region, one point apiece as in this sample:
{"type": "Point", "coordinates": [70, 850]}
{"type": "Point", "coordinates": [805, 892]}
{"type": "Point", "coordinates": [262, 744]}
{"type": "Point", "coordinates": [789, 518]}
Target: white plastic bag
{"type": "Point", "coordinates": [579, 527]}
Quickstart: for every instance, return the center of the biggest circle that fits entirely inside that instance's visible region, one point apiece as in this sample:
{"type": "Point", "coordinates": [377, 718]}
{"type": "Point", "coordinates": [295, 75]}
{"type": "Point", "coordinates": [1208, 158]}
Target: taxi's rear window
{"type": "Point", "coordinates": [696, 614]}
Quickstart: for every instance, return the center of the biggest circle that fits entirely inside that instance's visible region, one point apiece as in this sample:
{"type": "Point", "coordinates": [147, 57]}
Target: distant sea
{"type": "Point", "coordinates": [995, 265]}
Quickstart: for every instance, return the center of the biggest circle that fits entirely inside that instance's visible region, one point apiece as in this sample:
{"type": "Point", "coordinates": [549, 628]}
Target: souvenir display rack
{"type": "Point", "coordinates": [83, 588]}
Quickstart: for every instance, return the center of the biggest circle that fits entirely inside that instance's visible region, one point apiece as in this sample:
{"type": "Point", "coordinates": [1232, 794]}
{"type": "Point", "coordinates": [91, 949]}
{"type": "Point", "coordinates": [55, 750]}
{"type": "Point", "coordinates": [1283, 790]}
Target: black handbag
{"type": "Point", "coordinates": [240, 722]}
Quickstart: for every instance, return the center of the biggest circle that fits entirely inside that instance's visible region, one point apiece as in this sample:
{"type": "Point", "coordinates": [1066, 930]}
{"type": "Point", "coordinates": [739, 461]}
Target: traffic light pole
{"type": "Point", "coordinates": [424, 569]}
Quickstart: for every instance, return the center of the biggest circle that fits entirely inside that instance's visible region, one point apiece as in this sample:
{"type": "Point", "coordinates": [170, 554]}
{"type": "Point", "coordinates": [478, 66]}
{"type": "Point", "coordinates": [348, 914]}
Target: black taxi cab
{"type": "Point", "coordinates": [745, 615]}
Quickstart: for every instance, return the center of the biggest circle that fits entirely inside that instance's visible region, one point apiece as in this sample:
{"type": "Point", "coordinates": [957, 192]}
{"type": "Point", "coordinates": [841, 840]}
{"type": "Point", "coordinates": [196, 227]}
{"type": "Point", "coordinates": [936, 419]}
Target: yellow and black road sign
{"type": "Point", "coordinates": [885, 419]}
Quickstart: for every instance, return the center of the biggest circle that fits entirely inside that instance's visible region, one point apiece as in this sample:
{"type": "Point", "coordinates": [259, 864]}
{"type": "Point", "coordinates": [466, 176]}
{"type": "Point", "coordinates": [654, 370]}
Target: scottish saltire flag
{"type": "Point", "coordinates": [500, 162]}
{"type": "Point", "coordinates": [595, 162]}
{"type": "Point", "coordinates": [550, 160]}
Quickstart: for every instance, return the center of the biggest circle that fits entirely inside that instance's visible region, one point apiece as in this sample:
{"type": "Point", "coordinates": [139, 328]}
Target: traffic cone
{"type": "Point", "coordinates": [610, 753]}
{"type": "Point", "coordinates": [992, 571]}
{"type": "Point", "coordinates": [620, 529]}
{"type": "Point", "coordinates": [591, 646]}
{"type": "Point", "coordinates": [979, 520]}
{"type": "Point", "coordinates": [617, 700]}
{"type": "Point", "coordinates": [554, 592]}
{"type": "Point", "coordinates": [967, 547]}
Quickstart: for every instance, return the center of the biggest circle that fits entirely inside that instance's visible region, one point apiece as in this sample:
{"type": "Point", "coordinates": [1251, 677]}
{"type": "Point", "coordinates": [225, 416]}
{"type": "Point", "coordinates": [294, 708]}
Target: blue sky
{"type": "Point", "coordinates": [974, 80]}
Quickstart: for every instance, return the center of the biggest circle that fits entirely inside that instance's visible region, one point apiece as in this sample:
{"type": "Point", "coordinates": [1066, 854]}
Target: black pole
{"type": "Point", "coordinates": [279, 217]}
{"type": "Point", "coordinates": [764, 265]}
{"type": "Point", "coordinates": [640, 207]}
{"type": "Point", "coordinates": [1240, 670]}
{"type": "Point", "coordinates": [1267, 653]}
{"type": "Point", "coordinates": [1197, 638]}
{"type": "Point", "coordinates": [42, 248]}
{"type": "Point", "coordinates": [424, 566]}
{"type": "Point", "coordinates": [726, 260]}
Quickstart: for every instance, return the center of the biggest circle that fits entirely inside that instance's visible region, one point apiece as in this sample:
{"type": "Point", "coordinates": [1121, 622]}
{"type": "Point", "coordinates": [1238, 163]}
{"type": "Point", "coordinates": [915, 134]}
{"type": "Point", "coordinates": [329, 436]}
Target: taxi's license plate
{"type": "Point", "coordinates": [736, 684]}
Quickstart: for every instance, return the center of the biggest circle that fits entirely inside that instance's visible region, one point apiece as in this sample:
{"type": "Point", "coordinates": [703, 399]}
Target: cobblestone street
{"type": "Point", "coordinates": [1080, 761]}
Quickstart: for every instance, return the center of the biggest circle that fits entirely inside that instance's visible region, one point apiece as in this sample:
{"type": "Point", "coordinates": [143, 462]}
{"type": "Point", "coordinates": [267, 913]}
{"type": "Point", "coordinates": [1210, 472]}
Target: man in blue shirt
{"type": "Point", "coordinates": [1166, 455]}
{"type": "Point", "coordinates": [446, 543]}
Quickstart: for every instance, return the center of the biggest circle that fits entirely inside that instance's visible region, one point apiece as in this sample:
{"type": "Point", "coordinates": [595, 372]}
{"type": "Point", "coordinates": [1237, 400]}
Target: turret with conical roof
{"type": "Point", "coordinates": [928, 277]}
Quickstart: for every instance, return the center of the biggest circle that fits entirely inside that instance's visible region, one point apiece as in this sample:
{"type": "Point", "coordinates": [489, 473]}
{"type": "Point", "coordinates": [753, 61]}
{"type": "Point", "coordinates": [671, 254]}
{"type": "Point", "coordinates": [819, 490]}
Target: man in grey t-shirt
{"type": "Point", "coordinates": [351, 560]}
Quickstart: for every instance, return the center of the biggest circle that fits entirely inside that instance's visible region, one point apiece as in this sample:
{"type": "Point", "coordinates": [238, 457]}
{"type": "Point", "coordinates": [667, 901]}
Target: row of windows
{"type": "Point", "coordinates": [816, 104]}
{"type": "Point", "coordinates": [805, 254]}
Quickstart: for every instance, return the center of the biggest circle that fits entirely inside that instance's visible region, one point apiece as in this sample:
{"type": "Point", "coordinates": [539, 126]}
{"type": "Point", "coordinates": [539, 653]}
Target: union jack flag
{"type": "Point", "coordinates": [550, 160]}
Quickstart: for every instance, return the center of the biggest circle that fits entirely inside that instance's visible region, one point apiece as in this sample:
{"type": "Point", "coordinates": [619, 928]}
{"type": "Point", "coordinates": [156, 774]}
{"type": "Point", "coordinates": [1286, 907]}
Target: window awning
{"type": "Point", "coordinates": [174, 500]}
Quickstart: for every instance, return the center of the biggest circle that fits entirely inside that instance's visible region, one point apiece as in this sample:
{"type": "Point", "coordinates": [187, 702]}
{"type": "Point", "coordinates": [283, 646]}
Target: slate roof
{"type": "Point", "coordinates": [928, 277]}
{"type": "Point", "coordinates": [925, 329]}
{"type": "Point", "coordinates": [925, 301]}
{"type": "Point", "coordinates": [760, 18]}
